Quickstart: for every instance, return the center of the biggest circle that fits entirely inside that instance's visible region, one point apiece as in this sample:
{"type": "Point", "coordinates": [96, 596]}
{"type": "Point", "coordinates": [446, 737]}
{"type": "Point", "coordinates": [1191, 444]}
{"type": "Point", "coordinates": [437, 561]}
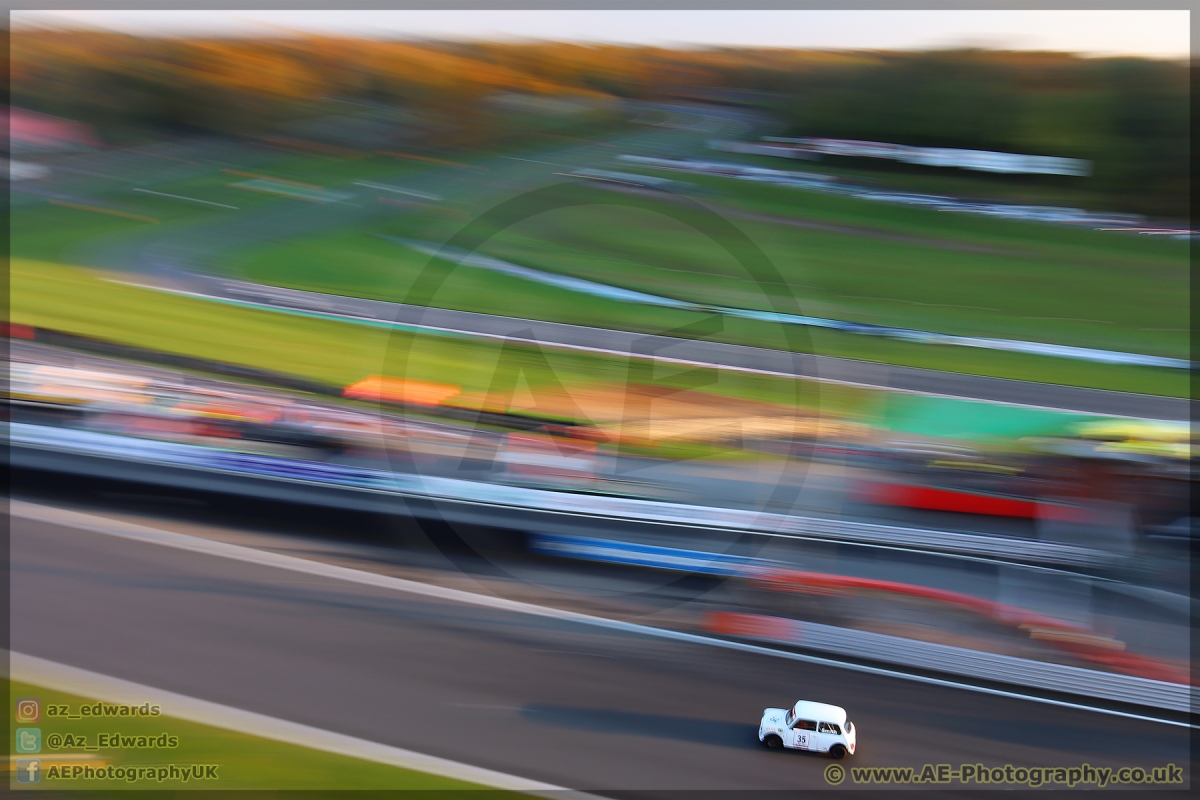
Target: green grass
{"type": "Point", "coordinates": [953, 273]}
{"type": "Point", "coordinates": [360, 263]}
{"type": "Point", "coordinates": [330, 171]}
{"type": "Point", "coordinates": [1018, 235]}
{"type": "Point", "coordinates": [50, 233]}
{"type": "Point", "coordinates": [1101, 298]}
{"type": "Point", "coordinates": [54, 233]}
{"type": "Point", "coordinates": [245, 761]}
{"type": "Point", "coordinates": [1107, 300]}
{"type": "Point", "coordinates": [73, 300]}
{"type": "Point", "coordinates": [1001, 364]}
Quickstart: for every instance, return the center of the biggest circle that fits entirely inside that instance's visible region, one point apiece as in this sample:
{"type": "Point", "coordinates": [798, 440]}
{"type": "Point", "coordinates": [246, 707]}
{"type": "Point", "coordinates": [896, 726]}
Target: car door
{"type": "Point", "coordinates": [827, 735]}
{"type": "Point", "coordinates": [803, 731]}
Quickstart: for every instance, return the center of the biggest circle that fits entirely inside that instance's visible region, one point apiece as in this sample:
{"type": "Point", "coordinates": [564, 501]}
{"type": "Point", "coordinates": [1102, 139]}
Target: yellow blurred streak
{"type": "Point", "coordinates": [969, 466]}
{"type": "Point", "coordinates": [724, 429]}
{"type": "Point", "coordinates": [1168, 449]}
{"type": "Point", "coordinates": [1143, 430]}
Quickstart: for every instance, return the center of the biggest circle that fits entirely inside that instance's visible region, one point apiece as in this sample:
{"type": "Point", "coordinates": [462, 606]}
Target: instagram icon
{"type": "Point", "coordinates": [29, 709]}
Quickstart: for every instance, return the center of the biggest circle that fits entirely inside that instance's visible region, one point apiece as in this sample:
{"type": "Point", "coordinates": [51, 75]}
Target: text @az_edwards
{"type": "Point", "coordinates": [1082, 775]}
{"type": "Point", "coordinates": [113, 740]}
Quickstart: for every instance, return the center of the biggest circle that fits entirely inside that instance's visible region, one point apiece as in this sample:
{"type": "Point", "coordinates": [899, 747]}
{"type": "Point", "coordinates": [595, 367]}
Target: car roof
{"type": "Point", "coordinates": [822, 712]}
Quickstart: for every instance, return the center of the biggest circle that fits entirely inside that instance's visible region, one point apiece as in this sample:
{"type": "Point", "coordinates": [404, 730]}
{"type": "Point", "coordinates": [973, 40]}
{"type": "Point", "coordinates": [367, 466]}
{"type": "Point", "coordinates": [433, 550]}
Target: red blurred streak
{"type": "Point", "coordinates": [1130, 663]}
{"type": "Point", "coordinates": [933, 499]}
{"type": "Point", "coordinates": [730, 623]}
{"type": "Point", "coordinates": [19, 331]}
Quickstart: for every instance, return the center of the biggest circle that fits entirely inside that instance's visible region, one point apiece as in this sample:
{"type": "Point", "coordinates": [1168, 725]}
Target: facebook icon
{"type": "Point", "coordinates": [29, 770]}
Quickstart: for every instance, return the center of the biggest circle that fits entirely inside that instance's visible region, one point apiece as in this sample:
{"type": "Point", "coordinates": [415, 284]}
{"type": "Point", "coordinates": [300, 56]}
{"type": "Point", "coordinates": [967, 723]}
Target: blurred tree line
{"type": "Point", "coordinates": [1128, 116]}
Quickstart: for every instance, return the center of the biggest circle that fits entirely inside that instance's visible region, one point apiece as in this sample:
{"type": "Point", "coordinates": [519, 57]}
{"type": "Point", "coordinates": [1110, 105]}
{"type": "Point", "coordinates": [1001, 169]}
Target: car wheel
{"type": "Point", "coordinates": [837, 751]}
{"type": "Point", "coordinates": [773, 742]}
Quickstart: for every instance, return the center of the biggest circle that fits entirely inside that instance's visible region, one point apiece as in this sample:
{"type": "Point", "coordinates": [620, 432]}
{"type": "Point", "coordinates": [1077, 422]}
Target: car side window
{"type": "Point", "coordinates": [805, 725]}
{"type": "Point", "coordinates": [829, 727]}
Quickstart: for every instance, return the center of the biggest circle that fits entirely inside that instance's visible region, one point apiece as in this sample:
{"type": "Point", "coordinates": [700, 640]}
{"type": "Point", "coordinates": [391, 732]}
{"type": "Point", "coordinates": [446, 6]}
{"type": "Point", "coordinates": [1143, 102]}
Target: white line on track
{"type": "Point", "coordinates": [383, 323]}
{"type": "Point", "coordinates": [93, 685]}
{"type": "Point", "coordinates": [195, 544]}
{"type": "Point", "coordinates": [189, 199]}
{"type": "Point", "coordinates": [383, 187]}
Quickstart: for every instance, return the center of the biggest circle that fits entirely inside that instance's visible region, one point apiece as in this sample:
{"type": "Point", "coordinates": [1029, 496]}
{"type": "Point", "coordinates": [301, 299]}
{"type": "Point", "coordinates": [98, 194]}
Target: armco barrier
{"type": "Point", "coordinates": [648, 512]}
{"type": "Point", "coordinates": [959, 661]}
{"type": "Point", "coordinates": [1081, 642]}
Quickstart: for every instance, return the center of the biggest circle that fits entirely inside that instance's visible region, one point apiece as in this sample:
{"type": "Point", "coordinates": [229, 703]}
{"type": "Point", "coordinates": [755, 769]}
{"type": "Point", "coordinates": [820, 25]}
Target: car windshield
{"type": "Point", "coordinates": [849, 726]}
{"type": "Point", "coordinates": [789, 718]}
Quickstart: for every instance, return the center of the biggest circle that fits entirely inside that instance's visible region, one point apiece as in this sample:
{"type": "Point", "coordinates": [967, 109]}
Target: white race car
{"type": "Point", "coordinates": [817, 727]}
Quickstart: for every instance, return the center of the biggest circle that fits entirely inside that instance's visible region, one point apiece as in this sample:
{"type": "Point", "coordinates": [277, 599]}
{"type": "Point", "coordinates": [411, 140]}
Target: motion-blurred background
{"type": "Point", "coordinates": [888, 343]}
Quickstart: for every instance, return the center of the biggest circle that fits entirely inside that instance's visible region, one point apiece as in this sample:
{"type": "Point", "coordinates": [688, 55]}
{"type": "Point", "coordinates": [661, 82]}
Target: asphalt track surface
{"type": "Point", "coordinates": [702, 352]}
{"type": "Point", "coordinates": [545, 699]}
{"type": "Point", "coordinates": [827, 368]}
